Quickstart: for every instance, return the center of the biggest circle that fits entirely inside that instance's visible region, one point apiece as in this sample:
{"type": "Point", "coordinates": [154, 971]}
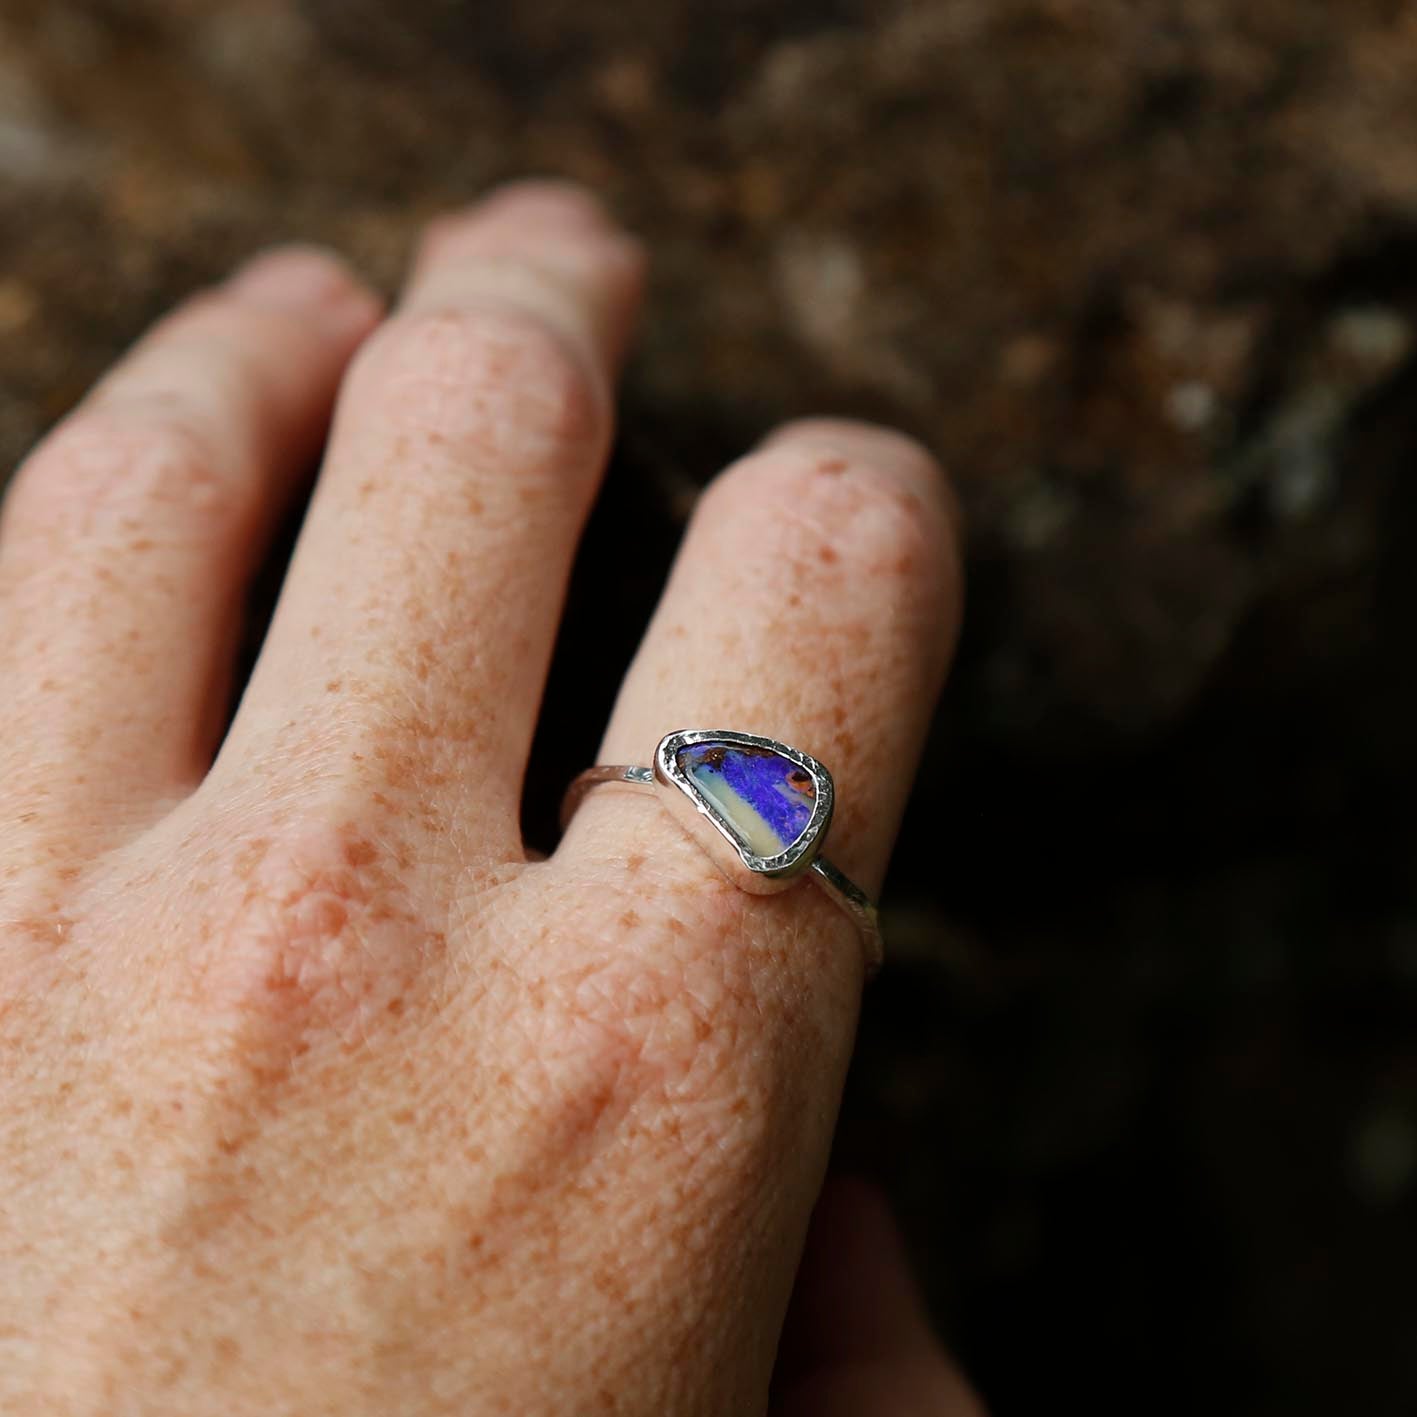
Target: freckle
{"type": "Point", "coordinates": [358, 852]}
{"type": "Point", "coordinates": [827, 555]}
{"type": "Point", "coordinates": [123, 1107]}
{"type": "Point", "coordinates": [141, 545]}
{"type": "Point", "coordinates": [793, 601]}
{"type": "Point", "coordinates": [832, 465]}
{"type": "Point", "coordinates": [634, 863]}
{"type": "Point", "coordinates": [395, 1005]}
{"type": "Point", "coordinates": [675, 925]}
{"type": "Point", "coordinates": [329, 917]}
{"type": "Point", "coordinates": [334, 686]}
{"type": "Point", "coordinates": [475, 1241]}
{"type": "Point", "coordinates": [629, 919]}
{"type": "Point", "coordinates": [474, 504]}
{"type": "Point", "coordinates": [250, 856]}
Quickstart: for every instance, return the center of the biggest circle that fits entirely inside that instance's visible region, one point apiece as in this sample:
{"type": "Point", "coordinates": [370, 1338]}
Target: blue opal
{"type": "Point", "coordinates": [765, 798]}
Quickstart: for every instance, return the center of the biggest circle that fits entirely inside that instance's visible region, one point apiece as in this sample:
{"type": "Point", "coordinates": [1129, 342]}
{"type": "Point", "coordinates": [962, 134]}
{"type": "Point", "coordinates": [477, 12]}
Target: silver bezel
{"type": "Point", "coordinates": [702, 819]}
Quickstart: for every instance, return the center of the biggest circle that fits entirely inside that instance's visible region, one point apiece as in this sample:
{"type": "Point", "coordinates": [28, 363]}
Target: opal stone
{"type": "Point", "coordinates": [766, 799]}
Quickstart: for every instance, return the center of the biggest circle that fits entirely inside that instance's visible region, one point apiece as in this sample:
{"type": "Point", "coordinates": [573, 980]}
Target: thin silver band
{"type": "Point", "coordinates": [842, 890]}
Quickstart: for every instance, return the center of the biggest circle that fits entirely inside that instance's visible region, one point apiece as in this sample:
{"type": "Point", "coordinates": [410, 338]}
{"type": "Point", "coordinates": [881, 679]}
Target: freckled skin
{"type": "Point", "coordinates": [316, 1096]}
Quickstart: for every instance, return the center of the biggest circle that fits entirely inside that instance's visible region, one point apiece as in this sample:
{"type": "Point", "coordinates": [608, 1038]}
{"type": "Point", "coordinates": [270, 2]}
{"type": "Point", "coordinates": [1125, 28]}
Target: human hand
{"type": "Point", "coordinates": [316, 1096]}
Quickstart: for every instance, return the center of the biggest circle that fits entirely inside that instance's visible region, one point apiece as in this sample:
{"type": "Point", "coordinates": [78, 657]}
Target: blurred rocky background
{"type": "Point", "coordinates": [1142, 1074]}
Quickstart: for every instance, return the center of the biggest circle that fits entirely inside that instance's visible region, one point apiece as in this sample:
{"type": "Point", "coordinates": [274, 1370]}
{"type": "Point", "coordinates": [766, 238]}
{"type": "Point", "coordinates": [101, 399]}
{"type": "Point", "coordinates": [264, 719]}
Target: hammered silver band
{"type": "Point", "coordinates": [753, 867]}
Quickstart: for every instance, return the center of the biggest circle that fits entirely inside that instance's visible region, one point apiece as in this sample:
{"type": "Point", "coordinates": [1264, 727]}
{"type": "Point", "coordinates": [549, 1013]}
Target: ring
{"type": "Point", "coordinates": [760, 808]}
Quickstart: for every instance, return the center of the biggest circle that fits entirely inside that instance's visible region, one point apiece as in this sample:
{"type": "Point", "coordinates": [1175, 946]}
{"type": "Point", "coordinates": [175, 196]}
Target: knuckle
{"type": "Point", "coordinates": [670, 1038]}
{"type": "Point", "coordinates": [141, 465]}
{"type": "Point", "coordinates": [499, 385]}
{"type": "Point", "coordinates": [847, 510]}
{"type": "Point", "coordinates": [314, 934]}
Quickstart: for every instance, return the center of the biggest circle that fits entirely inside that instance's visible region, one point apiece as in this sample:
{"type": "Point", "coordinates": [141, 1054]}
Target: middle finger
{"type": "Point", "coordinates": [408, 651]}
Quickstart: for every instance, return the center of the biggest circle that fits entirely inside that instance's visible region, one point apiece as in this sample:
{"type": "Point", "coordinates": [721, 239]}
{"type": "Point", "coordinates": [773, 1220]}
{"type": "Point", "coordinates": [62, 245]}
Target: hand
{"type": "Point", "coordinates": [316, 1096]}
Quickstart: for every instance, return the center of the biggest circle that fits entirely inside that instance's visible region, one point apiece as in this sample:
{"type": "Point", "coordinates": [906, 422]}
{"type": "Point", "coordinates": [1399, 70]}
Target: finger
{"type": "Point", "coordinates": [411, 642]}
{"type": "Point", "coordinates": [857, 1342]}
{"type": "Point", "coordinates": [131, 532]}
{"type": "Point", "coordinates": [815, 601]}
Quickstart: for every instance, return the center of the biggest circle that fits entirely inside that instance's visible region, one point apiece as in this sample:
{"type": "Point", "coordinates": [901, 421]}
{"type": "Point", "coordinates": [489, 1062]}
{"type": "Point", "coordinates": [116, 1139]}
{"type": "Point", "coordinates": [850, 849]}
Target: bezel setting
{"type": "Point", "coordinates": [703, 819]}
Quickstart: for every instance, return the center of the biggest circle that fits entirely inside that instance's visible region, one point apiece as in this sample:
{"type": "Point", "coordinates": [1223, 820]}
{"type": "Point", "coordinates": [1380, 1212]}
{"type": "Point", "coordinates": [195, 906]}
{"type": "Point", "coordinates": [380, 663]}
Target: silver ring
{"type": "Point", "coordinates": [760, 808]}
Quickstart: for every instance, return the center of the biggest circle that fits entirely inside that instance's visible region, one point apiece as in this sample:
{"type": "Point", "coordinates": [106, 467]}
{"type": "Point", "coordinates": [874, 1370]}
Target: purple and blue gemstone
{"type": "Point", "coordinates": [765, 798]}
